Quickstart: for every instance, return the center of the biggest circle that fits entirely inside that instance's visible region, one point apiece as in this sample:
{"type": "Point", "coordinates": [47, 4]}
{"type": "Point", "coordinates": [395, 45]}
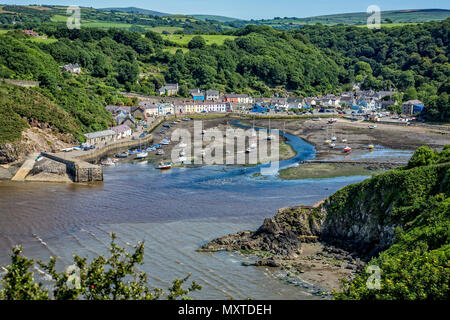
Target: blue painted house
{"type": "Point", "coordinates": [198, 96]}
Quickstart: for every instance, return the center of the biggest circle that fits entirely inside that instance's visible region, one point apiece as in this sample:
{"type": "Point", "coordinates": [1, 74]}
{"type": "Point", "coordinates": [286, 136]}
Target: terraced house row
{"type": "Point", "coordinates": [154, 109]}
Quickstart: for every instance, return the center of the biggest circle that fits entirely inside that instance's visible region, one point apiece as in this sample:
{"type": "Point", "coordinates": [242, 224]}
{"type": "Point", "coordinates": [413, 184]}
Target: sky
{"type": "Point", "coordinates": [251, 9]}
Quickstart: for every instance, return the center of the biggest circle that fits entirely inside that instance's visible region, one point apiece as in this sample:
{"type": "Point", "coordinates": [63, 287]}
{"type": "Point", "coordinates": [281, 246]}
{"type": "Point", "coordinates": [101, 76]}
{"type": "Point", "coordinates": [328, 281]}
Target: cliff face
{"type": "Point", "coordinates": [38, 138]}
{"type": "Point", "coordinates": [363, 217]}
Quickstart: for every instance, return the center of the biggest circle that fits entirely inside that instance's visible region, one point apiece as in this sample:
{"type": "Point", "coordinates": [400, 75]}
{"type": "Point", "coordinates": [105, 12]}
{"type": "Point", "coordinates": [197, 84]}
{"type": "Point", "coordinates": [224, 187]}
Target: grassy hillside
{"type": "Point", "coordinates": [396, 18]}
{"type": "Point", "coordinates": [137, 10]}
{"type": "Point", "coordinates": [20, 106]}
{"type": "Point", "coordinates": [405, 214]}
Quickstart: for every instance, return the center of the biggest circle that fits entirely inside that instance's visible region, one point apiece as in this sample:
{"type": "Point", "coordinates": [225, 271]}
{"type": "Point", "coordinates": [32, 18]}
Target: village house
{"type": "Point", "coordinates": [198, 96]}
{"type": "Point", "coordinates": [122, 131]}
{"type": "Point", "coordinates": [412, 107]}
{"type": "Point", "coordinates": [93, 138]}
{"type": "Point", "coordinates": [212, 95]}
{"type": "Point", "coordinates": [34, 34]}
{"type": "Point", "coordinates": [115, 110]}
{"type": "Point", "coordinates": [73, 68]}
{"type": "Point", "coordinates": [165, 108]}
{"type": "Point", "coordinates": [198, 107]}
{"type": "Point", "coordinates": [196, 90]}
{"type": "Point", "coordinates": [138, 112]}
{"type": "Point", "coordinates": [170, 89]}
{"type": "Point", "coordinates": [125, 118]}
{"type": "Point", "coordinates": [238, 98]}
{"type": "Point", "coordinates": [150, 109]}
{"type": "Point", "coordinates": [346, 101]}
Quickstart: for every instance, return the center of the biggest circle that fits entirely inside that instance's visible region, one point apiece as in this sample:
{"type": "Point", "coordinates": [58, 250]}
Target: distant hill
{"type": "Point", "coordinates": [358, 18]}
{"type": "Point", "coordinates": [137, 11]}
{"type": "Point", "coordinates": [205, 17]}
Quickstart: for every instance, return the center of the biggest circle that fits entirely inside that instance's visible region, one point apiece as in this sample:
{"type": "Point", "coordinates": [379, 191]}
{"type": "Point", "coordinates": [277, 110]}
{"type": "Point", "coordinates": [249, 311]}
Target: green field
{"type": "Point", "coordinates": [183, 40]}
{"type": "Point", "coordinates": [59, 18]}
{"type": "Point", "coordinates": [167, 29]}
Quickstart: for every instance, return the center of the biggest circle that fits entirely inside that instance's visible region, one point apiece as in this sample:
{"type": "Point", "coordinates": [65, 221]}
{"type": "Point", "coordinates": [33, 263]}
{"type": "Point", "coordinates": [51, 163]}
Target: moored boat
{"type": "Point", "coordinates": [164, 166]}
{"type": "Point", "coordinates": [347, 149]}
{"type": "Point", "coordinates": [122, 155]}
{"type": "Point", "coordinates": [141, 155]}
{"type": "Point", "coordinates": [108, 163]}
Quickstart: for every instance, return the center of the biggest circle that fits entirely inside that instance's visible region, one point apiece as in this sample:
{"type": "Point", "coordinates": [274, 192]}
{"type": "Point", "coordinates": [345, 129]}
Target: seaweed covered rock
{"type": "Point", "coordinates": [281, 235]}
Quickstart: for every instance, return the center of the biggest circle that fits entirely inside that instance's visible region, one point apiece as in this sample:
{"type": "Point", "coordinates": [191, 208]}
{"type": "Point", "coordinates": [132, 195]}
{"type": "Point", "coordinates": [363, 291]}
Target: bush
{"type": "Point", "coordinates": [113, 278]}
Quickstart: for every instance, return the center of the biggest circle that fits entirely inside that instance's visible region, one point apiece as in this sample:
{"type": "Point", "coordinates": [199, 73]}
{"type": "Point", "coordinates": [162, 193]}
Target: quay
{"type": "Point", "coordinates": [82, 166]}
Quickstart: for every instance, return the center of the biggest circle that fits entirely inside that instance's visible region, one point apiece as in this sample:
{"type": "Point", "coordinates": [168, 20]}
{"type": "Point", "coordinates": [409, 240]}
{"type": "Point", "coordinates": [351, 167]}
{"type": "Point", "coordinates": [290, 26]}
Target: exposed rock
{"type": "Point", "coordinates": [281, 235]}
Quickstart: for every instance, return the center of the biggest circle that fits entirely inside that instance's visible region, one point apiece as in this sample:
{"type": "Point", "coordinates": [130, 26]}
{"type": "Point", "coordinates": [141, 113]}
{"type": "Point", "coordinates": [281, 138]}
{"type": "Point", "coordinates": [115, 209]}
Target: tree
{"type": "Point", "coordinates": [112, 278]}
{"type": "Point", "coordinates": [127, 72]}
{"type": "Point", "coordinates": [101, 66]}
{"type": "Point", "coordinates": [410, 94]}
{"type": "Point", "coordinates": [197, 42]}
{"type": "Point", "coordinates": [423, 156]}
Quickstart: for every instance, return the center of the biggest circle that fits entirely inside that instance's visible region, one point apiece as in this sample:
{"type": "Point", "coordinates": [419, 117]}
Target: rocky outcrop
{"type": "Point", "coordinates": [11, 152]}
{"type": "Point", "coordinates": [40, 137]}
{"type": "Point", "coordinates": [280, 236]}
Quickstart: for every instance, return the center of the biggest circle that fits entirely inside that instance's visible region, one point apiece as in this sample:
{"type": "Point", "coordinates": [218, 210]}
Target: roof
{"type": "Point", "coordinates": [99, 134]}
{"type": "Point", "coordinates": [171, 86]}
{"type": "Point", "coordinates": [121, 128]}
{"type": "Point", "coordinates": [237, 95]}
{"type": "Point", "coordinates": [414, 102]}
{"type": "Point", "coordinates": [197, 94]}
{"type": "Point", "coordinates": [212, 92]}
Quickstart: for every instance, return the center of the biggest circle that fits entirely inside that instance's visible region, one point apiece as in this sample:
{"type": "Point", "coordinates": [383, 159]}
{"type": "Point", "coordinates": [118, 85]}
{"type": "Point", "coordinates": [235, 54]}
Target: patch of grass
{"type": "Point", "coordinates": [167, 29]}
{"type": "Point", "coordinates": [173, 50]}
{"type": "Point", "coordinates": [183, 40]}
{"type": "Point", "coordinates": [40, 40]}
{"type": "Point", "coordinates": [322, 170]}
{"type": "Point", "coordinates": [59, 18]}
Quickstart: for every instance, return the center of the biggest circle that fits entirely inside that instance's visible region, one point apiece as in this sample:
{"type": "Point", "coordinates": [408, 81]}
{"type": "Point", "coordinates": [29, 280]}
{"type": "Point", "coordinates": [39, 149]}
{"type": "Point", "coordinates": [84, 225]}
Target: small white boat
{"type": "Point", "coordinates": [182, 154]}
{"type": "Point", "coordinates": [203, 131]}
{"type": "Point", "coordinates": [160, 152]}
{"type": "Point", "coordinates": [332, 145]}
{"type": "Point", "coordinates": [248, 150]}
{"type": "Point", "coordinates": [141, 155]}
{"type": "Point", "coordinates": [163, 166]}
{"type": "Point", "coordinates": [344, 140]}
{"type": "Point", "coordinates": [108, 163]}
{"type": "Point", "coordinates": [333, 138]}
{"type": "Point", "coordinates": [372, 127]}
{"type": "Point", "coordinates": [269, 137]}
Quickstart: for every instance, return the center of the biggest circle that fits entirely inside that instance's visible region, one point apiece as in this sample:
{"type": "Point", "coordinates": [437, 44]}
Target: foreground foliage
{"type": "Point", "coordinates": [116, 277]}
